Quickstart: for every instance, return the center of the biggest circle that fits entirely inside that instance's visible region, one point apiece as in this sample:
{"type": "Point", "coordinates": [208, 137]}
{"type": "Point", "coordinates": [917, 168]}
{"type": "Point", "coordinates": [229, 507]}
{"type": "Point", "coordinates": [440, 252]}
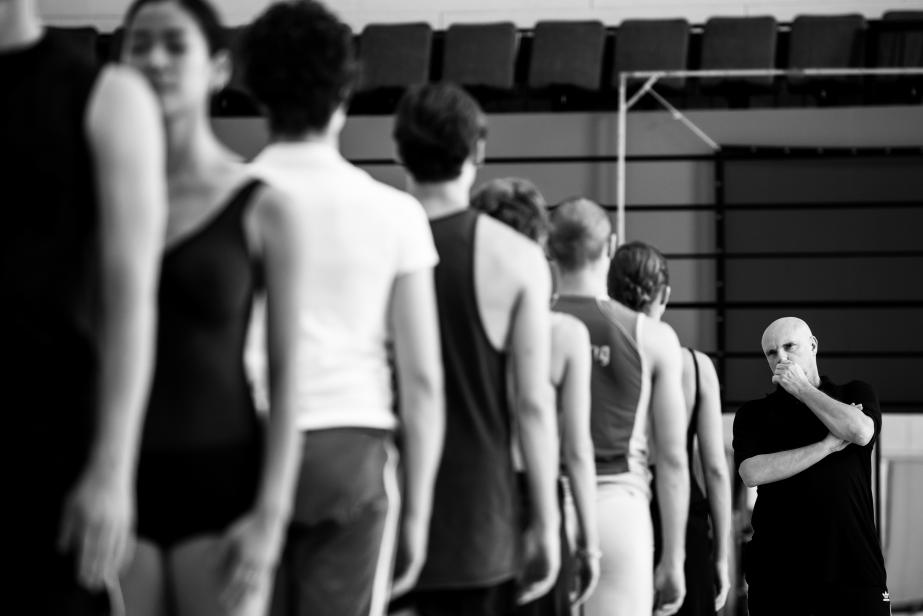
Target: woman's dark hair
{"type": "Point", "coordinates": [298, 61]}
{"type": "Point", "coordinates": [201, 11]}
{"type": "Point", "coordinates": [516, 202]}
{"type": "Point", "coordinates": [437, 129]}
{"type": "Point", "coordinates": [638, 274]}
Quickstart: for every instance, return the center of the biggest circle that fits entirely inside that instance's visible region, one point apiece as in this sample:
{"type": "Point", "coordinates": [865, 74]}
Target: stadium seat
{"type": "Point", "coordinates": [899, 44]}
{"type": "Point", "coordinates": [480, 55]}
{"type": "Point", "coordinates": [567, 62]}
{"type": "Point", "coordinates": [652, 45]}
{"type": "Point", "coordinates": [114, 48]}
{"type": "Point", "coordinates": [82, 39]}
{"type": "Point", "coordinates": [900, 40]}
{"type": "Point", "coordinates": [739, 43]}
{"type": "Point", "coordinates": [394, 55]}
{"type": "Point", "coordinates": [826, 41]}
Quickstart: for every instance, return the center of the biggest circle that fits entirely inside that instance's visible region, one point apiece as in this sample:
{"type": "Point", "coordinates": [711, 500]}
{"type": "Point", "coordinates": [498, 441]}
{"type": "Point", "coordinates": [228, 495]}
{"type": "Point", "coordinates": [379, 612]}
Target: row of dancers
{"type": "Point", "coordinates": [406, 350]}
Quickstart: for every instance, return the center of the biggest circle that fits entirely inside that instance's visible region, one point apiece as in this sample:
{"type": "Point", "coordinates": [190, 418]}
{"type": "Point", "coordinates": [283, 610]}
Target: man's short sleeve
{"type": "Point", "coordinates": [416, 250]}
{"type": "Point", "coordinates": [746, 442]}
{"type": "Point", "coordinates": [859, 392]}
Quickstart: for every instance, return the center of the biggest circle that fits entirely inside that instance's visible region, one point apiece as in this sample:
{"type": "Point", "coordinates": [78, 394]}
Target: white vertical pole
{"type": "Point", "coordinates": [620, 165]}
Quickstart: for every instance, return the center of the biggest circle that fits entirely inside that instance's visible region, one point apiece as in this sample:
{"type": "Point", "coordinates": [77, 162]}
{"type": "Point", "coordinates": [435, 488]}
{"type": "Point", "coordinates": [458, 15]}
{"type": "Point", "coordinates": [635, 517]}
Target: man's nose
{"type": "Point", "coordinates": [783, 356]}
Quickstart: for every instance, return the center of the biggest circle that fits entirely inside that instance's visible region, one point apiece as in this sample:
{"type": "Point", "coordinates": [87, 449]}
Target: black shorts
{"type": "Point", "coordinates": [557, 601]}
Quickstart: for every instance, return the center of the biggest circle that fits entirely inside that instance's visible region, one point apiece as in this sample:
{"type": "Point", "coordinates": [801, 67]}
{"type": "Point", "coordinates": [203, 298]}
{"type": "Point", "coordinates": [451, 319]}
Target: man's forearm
{"type": "Point", "coordinates": [843, 420]}
{"type": "Point", "coordinates": [423, 426]}
{"type": "Point", "coordinates": [718, 485]}
{"type": "Point", "coordinates": [770, 467]}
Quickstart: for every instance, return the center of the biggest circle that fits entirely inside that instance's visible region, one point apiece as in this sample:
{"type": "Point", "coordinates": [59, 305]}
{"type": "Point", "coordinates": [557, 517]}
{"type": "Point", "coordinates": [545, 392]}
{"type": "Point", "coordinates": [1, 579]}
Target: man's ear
{"type": "Point", "coordinates": [480, 152]}
{"type": "Point", "coordinates": [665, 295]}
{"type": "Point", "coordinates": [612, 245]}
{"type": "Point", "coordinates": [814, 345]}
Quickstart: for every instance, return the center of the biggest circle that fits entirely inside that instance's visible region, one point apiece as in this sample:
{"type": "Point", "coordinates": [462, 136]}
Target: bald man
{"type": "Point", "coordinates": [807, 448]}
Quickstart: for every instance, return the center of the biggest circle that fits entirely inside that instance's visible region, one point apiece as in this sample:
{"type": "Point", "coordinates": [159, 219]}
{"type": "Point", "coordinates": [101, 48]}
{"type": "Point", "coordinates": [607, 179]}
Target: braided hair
{"type": "Point", "coordinates": [638, 274]}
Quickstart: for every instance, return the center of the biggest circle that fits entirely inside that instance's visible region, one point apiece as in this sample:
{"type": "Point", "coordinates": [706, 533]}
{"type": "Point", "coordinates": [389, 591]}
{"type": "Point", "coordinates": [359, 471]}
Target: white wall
{"type": "Point", "coordinates": [106, 14]}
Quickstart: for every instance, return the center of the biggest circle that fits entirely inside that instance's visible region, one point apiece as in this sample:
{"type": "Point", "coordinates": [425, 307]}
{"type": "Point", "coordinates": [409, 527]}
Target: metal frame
{"type": "Point", "coordinates": [652, 77]}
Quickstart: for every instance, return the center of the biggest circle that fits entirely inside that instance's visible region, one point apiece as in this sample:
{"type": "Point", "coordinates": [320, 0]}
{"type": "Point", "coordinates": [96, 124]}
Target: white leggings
{"type": "Point", "coordinates": [626, 538]}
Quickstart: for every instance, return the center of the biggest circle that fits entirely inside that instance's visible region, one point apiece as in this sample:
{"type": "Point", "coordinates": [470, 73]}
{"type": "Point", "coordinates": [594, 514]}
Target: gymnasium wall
{"type": "Point", "coordinates": [668, 166]}
{"type": "Point", "coordinates": [654, 180]}
{"type": "Point", "coordinates": [106, 14]}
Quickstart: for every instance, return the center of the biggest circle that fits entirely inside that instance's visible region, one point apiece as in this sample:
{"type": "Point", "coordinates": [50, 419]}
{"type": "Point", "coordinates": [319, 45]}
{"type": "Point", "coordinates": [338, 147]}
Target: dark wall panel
{"type": "Point", "coordinates": [696, 327]}
{"type": "Point", "coordinates": [750, 378]}
{"type": "Point", "coordinates": [845, 279]}
{"type": "Point", "coordinates": [824, 230]}
{"type": "Point", "coordinates": [825, 180]}
{"type": "Point", "coordinates": [869, 289]}
{"type": "Point", "coordinates": [837, 329]}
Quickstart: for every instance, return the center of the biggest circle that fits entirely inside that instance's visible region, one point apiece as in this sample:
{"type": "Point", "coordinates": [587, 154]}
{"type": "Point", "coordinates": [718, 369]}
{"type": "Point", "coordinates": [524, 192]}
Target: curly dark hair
{"type": "Point", "coordinates": [516, 202]}
{"type": "Point", "coordinates": [201, 11]}
{"type": "Point", "coordinates": [298, 61]}
{"type": "Point", "coordinates": [580, 231]}
{"type": "Point", "coordinates": [638, 273]}
{"type": "Point", "coordinates": [437, 129]}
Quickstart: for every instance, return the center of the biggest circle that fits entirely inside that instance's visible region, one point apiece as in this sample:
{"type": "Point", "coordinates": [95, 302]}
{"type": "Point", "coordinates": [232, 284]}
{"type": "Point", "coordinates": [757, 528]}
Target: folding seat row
{"type": "Point", "coordinates": [583, 56]}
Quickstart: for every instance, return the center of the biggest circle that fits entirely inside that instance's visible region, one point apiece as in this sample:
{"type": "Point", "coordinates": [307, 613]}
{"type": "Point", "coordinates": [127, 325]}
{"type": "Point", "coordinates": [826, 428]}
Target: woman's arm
{"type": "Point", "coordinates": [714, 464]}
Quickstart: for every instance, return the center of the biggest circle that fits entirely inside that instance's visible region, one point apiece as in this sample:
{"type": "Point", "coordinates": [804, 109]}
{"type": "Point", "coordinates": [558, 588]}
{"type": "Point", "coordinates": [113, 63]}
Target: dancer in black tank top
{"type": "Point", "coordinates": [518, 203]}
{"type": "Point", "coordinates": [476, 467]}
{"type": "Point", "coordinates": [492, 288]}
{"type": "Point", "coordinates": [76, 289]}
{"type": "Point", "coordinates": [213, 499]}
{"type": "Point", "coordinates": [639, 278]}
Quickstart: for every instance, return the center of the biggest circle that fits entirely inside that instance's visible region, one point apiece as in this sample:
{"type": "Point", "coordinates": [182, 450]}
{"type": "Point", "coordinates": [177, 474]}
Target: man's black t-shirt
{"type": "Point", "coordinates": [817, 527]}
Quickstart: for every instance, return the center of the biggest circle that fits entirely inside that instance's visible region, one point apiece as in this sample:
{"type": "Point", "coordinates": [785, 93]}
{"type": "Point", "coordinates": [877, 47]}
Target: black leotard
{"type": "Point", "coordinates": [200, 454]}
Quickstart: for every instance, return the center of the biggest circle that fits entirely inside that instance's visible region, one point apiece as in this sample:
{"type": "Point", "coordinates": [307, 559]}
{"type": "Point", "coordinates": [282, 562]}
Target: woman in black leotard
{"type": "Point", "coordinates": [213, 491]}
{"type": "Point", "coordinates": [639, 278]}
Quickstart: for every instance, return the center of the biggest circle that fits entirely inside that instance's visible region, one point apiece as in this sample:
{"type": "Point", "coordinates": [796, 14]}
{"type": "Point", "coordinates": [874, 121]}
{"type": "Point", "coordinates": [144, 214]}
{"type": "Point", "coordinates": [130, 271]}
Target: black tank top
{"type": "Point", "coordinates": [200, 396]}
{"type": "Point", "coordinates": [49, 271]}
{"type": "Point", "coordinates": [474, 528]}
{"type": "Point", "coordinates": [698, 502]}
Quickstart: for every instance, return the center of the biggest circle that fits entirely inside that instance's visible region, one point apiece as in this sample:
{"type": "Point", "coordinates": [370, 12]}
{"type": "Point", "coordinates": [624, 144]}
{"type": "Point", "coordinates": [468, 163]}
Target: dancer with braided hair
{"type": "Point", "coordinates": [639, 279]}
{"type": "Point", "coordinates": [636, 387]}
